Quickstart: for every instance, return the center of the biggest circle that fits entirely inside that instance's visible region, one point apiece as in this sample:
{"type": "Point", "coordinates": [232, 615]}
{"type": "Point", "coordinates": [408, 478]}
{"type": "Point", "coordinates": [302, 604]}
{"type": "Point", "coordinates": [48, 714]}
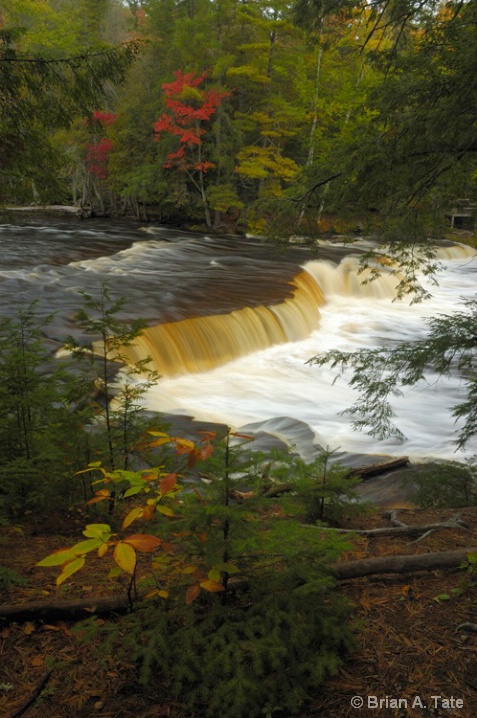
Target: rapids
{"type": "Point", "coordinates": [232, 323]}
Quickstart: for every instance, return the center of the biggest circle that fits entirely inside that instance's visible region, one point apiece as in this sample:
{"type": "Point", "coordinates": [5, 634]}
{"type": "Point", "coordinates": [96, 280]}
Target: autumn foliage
{"type": "Point", "coordinates": [188, 108]}
{"type": "Point", "coordinates": [239, 617]}
{"type": "Point", "coordinates": [98, 151]}
{"type": "Point", "coordinates": [162, 488]}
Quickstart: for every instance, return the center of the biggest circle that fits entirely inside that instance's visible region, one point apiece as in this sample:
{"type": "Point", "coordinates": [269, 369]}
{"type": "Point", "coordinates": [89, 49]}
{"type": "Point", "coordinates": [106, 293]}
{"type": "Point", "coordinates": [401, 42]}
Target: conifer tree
{"type": "Point", "coordinates": [268, 629]}
{"type": "Point", "coordinates": [248, 623]}
{"type": "Point", "coordinates": [103, 356]}
{"type": "Point", "coordinates": [41, 441]}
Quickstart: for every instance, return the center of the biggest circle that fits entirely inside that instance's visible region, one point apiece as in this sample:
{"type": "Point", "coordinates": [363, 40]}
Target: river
{"type": "Point", "coordinates": [232, 323]}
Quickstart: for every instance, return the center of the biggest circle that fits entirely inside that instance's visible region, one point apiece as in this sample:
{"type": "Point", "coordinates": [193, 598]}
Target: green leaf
{"type": "Point", "coordinates": [58, 558]}
{"type": "Point", "coordinates": [97, 531]}
{"type": "Point", "coordinates": [70, 569]}
{"type": "Point", "coordinates": [115, 572]}
{"type": "Point", "coordinates": [86, 546]}
{"type": "Point", "coordinates": [132, 491]}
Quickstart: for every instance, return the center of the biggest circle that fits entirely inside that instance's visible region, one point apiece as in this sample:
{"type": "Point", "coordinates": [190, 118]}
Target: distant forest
{"type": "Point", "coordinates": [283, 117]}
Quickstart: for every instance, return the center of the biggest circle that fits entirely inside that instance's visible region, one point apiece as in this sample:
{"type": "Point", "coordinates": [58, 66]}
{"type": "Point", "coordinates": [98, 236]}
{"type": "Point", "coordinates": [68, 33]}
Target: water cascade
{"type": "Point", "coordinates": [202, 343]}
{"type": "Point", "coordinates": [248, 317]}
{"type": "Point", "coordinates": [199, 344]}
{"type": "Point", "coordinates": [276, 391]}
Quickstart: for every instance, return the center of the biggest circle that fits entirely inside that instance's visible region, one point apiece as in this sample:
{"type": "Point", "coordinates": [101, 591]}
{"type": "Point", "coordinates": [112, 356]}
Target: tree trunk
{"type": "Point", "coordinates": [80, 608]}
{"type": "Point", "coordinates": [400, 564]}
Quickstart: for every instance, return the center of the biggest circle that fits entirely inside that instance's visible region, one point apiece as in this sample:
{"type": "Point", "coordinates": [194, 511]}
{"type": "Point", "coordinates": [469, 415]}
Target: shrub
{"type": "Point", "coordinates": [445, 484]}
{"type": "Point", "coordinates": [248, 622]}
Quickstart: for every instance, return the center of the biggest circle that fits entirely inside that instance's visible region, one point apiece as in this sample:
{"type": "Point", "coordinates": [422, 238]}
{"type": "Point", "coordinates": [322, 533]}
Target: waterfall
{"type": "Point", "coordinates": [202, 343]}
{"type": "Point", "coordinates": [276, 391]}
{"type": "Point", "coordinates": [232, 324]}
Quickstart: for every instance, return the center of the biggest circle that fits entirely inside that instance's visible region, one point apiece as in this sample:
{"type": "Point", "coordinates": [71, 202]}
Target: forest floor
{"type": "Point", "coordinates": [413, 650]}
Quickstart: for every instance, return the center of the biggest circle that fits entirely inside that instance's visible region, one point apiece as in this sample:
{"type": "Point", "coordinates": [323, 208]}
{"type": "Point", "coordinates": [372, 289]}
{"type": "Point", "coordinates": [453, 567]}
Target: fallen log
{"type": "Point", "coordinates": [75, 609]}
{"type": "Point", "coordinates": [368, 470]}
{"type": "Point", "coordinates": [402, 530]}
{"type": "Point", "coordinates": [79, 608]}
{"type": "Point", "coordinates": [400, 564]}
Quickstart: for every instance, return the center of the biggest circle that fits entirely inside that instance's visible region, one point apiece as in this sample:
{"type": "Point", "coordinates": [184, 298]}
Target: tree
{"type": "Point", "coordinates": [41, 428]}
{"type": "Point", "coordinates": [269, 114]}
{"type": "Point", "coordinates": [413, 152]}
{"type": "Point", "coordinates": [243, 650]}
{"type": "Point", "coordinates": [44, 87]}
{"type": "Point", "coordinates": [101, 358]}
{"type": "Point", "coordinates": [410, 161]}
{"type": "Point", "coordinates": [189, 108]}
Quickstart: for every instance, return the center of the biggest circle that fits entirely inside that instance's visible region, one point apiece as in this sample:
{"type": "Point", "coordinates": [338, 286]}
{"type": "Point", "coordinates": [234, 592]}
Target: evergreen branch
{"type": "Point", "coordinates": [309, 192]}
{"type": "Point", "coordinates": [133, 46]}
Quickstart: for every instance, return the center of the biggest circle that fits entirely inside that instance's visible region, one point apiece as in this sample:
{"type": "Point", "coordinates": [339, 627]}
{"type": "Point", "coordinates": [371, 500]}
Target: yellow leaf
{"type": "Point", "coordinates": [134, 514]}
{"type": "Point", "coordinates": [211, 586]}
{"type": "Point", "coordinates": [125, 557]}
{"type": "Point", "coordinates": [159, 442]}
{"type": "Point", "coordinates": [91, 467]}
{"type": "Point", "coordinates": [165, 510]}
{"type": "Point", "coordinates": [189, 569]}
{"type": "Point", "coordinates": [103, 549]}
{"type": "Point", "coordinates": [157, 592]}
{"type": "Point", "coordinates": [184, 443]}
{"type": "Point", "coordinates": [28, 628]}
{"type": "Point", "coordinates": [69, 569]}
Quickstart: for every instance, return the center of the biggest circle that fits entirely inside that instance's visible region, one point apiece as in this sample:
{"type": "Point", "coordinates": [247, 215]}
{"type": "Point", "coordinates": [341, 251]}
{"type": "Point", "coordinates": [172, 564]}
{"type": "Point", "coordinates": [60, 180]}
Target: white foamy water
{"type": "Point", "coordinates": [277, 382]}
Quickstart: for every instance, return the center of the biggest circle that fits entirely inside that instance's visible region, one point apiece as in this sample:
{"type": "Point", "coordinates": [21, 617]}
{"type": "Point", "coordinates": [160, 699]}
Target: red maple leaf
{"type": "Point", "coordinates": [186, 111]}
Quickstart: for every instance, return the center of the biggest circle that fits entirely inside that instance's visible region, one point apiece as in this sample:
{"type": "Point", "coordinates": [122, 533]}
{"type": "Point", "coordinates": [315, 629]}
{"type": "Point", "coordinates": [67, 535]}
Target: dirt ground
{"type": "Point", "coordinates": [415, 657]}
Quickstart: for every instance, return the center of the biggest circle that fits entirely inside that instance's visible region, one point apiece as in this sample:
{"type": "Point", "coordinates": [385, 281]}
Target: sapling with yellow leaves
{"type": "Point", "coordinates": [248, 617]}
{"type": "Point", "coordinates": [160, 488]}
